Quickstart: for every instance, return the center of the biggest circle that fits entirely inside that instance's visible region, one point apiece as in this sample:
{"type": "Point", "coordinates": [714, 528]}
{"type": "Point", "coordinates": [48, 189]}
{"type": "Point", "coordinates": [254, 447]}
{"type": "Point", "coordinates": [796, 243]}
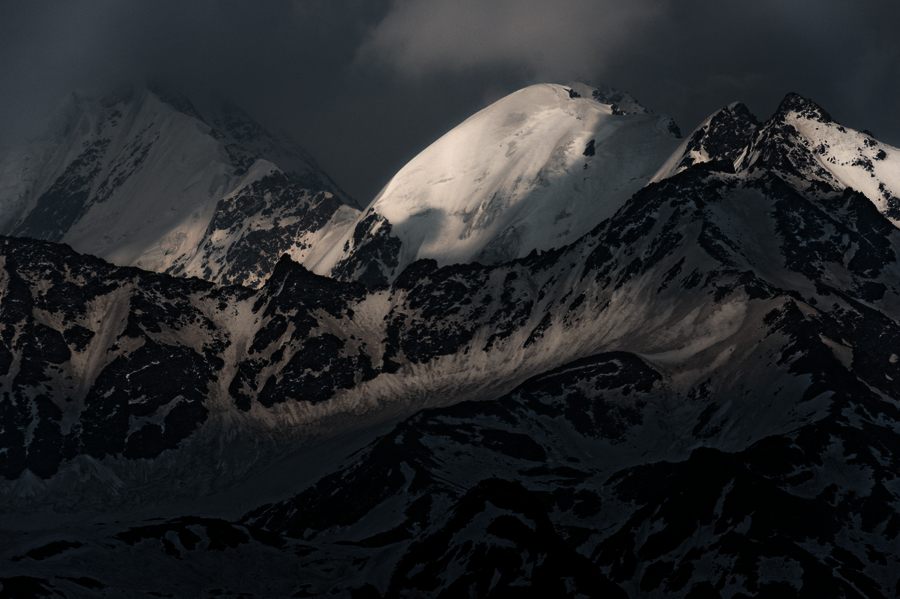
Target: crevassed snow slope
{"type": "Point", "coordinates": [535, 170]}
{"type": "Point", "coordinates": [140, 178]}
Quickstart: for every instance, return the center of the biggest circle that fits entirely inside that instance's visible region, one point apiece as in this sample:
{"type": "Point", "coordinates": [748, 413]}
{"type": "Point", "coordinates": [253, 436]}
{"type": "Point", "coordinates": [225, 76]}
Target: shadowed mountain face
{"type": "Point", "coordinates": [143, 178]}
{"type": "Point", "coordinates": [697, 398]}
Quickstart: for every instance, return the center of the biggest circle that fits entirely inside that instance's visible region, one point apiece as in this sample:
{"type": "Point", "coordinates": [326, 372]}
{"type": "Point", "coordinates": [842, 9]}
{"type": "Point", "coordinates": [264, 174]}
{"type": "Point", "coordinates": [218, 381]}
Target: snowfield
{"type": "Point", "coordinates": [534, 171]}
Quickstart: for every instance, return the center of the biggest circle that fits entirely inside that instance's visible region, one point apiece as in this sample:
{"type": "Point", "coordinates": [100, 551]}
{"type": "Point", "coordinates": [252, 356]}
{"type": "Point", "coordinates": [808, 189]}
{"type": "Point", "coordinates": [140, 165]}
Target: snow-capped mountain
{"type": "Point", "coordinates": [825, 156]}
{"type": "Point", "coordinates": [142, 178]}
{"type": "Point", "coordinates": [697, 397]}
{"type": "Point", "coordinates": [723, 137]}
{"type": "Point", "coordinates": [534, 171]}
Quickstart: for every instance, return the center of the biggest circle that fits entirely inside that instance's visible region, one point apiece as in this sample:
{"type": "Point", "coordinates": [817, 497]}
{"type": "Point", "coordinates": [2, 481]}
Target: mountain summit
{"type": "Point", "coordinates": [534, 171]}
{"type": "Point", "coordinates": [142, 178]}
{"type": "Point", "coordinates": [809, 149]}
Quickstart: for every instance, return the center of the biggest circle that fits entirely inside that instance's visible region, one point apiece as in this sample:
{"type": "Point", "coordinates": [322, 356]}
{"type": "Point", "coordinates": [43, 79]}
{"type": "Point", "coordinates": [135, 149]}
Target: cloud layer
{"type": "Point", "coordinates": [544, 39]}
{"type": "Point", "coordinates": [366, 84]}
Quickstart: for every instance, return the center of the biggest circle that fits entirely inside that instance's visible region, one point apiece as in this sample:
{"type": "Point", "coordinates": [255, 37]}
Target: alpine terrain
{"type": "Point", "coordinates": [564, 353]}
{"type": "Point", "coordinates": [533, 171]}
{"type": "Point", "coordinates": [141, 178]}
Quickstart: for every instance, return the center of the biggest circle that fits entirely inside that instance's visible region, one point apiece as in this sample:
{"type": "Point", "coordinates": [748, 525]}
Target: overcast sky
{"type": "Point", "coordinates": [365, 85]}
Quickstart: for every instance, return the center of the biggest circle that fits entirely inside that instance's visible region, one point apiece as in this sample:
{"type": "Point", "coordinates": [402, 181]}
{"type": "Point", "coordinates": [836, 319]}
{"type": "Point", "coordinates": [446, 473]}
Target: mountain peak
{"type": "Point", "coordinates": [810, 150]}
{"type": "Point", "coordinates": [535, 170]}
{"type": "Point", "coordinates": [806, 108]}
{"type": "Point", "coordinates": [141, 175]}
{"type": "Point", "coordinates": [621, 103]}
{"type": "Point", "coordinates": [722, 138]}
{"type": "Point", "coordinates": [176, 100]}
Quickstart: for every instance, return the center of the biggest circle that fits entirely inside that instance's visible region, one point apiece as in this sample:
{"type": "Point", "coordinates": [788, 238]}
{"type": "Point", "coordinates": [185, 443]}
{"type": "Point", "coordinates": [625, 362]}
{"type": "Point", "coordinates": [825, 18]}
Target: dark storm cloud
{"type": "Point", "coordinates": [547, 38]}
{"type": "Point", "coordinates": [845, 56]}
{"type": "Point", "coordinates": [685, 58]}
{"type": "Point", "coordinates": [366, 84]}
